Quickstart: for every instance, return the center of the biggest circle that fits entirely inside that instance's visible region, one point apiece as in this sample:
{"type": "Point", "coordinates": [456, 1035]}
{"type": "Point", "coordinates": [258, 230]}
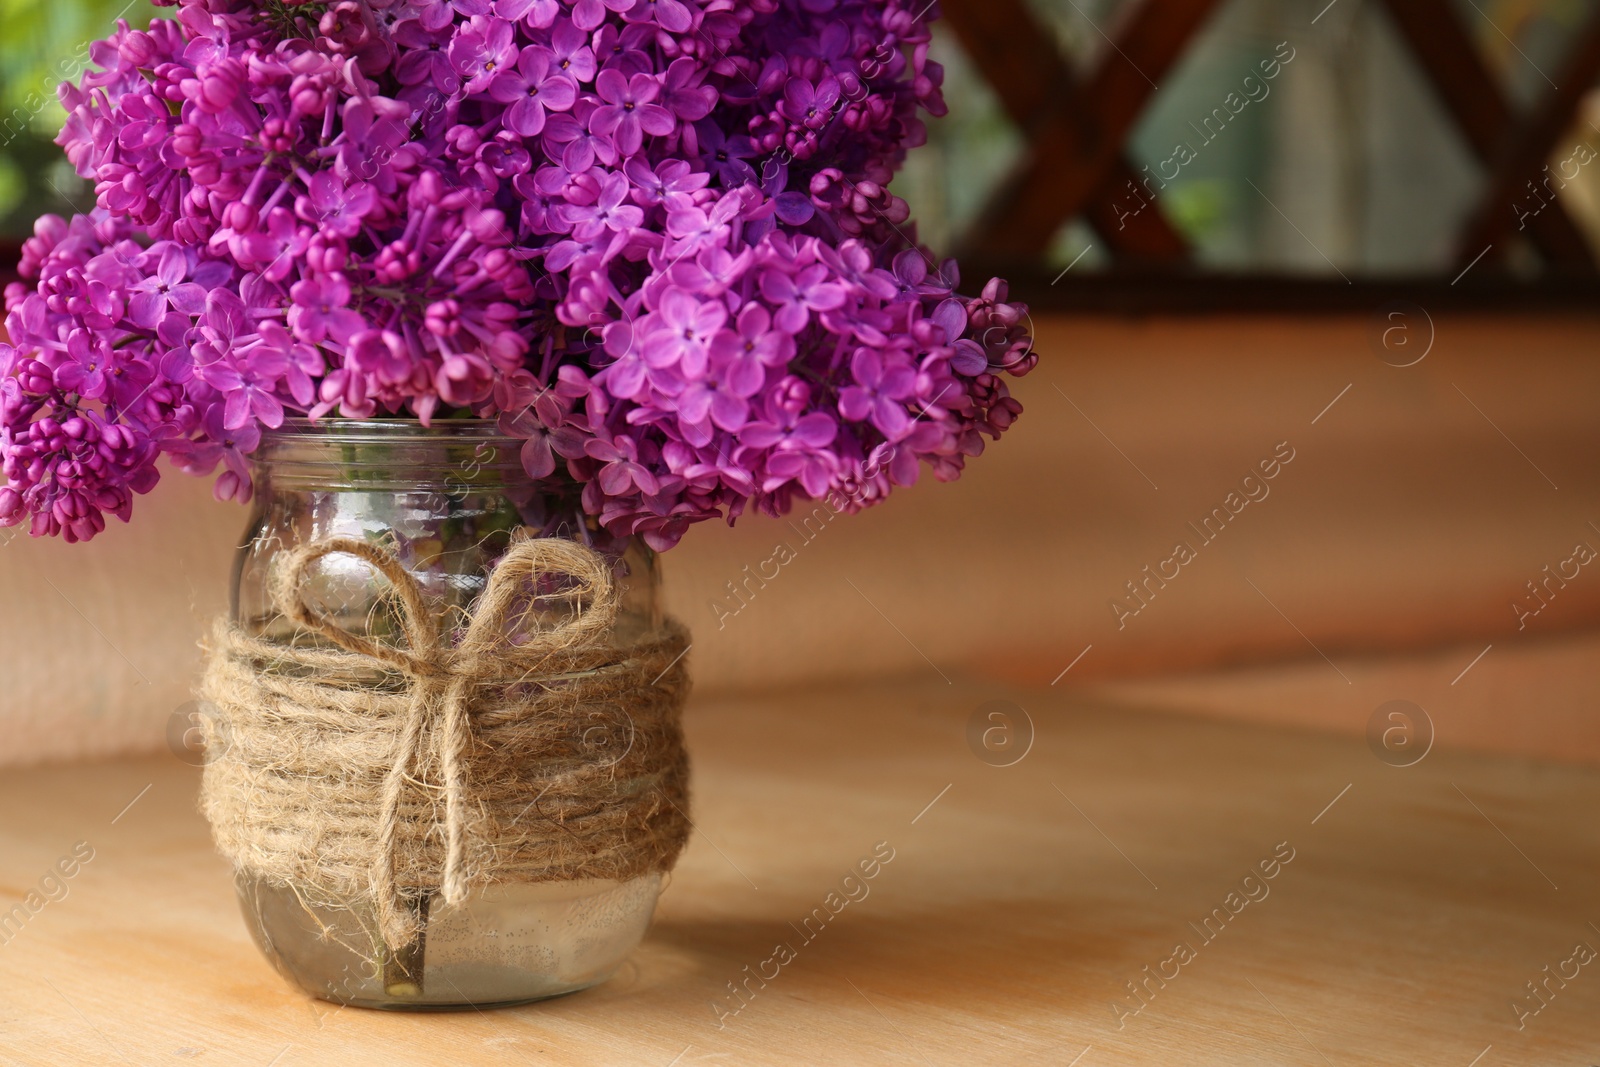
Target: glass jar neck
{"type": "Point", "coordinates": [389, 454]}
{"type": "Point", "coordinates": [445, 500]}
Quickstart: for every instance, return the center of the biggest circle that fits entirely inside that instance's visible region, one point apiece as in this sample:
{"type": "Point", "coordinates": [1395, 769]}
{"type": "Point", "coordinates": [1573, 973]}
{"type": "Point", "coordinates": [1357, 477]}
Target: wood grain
{"type": "Point", "coordinates": [1019, 902]}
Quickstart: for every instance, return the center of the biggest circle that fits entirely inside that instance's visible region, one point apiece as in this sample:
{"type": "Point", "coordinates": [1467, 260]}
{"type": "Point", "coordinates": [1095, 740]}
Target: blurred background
{"type": "Point", "coordinates": [1366, 154]}
{"type": "Point", "coordinates": [1364, 151]}
{"type": "Point", "coordinates": [1362, 234]}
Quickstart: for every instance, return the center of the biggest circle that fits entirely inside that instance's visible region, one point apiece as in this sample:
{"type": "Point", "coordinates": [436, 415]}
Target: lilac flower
{"type": "Point", "coordinates": [799, 294]}
{"type": "Point", "coordinates": [547, 212]}
{"type": "Point", "coordinates": [683, 331]}
{"type": "Point", "coordinates": [911, 275]}
{"type": "Point", "coordinates": [695, 229]}
{"type": "Point", "coordinates": [230, 446]}
{"type": "Point", "coordinates": [380, 357]}
{"type": "Point", "coordinates": [530, 88]}
{"type": "Point", "coordinates": [712, 273]}
{"type": "Point", "coordinates": [539, 424]}
{"type": "Point", "coordinates": [622, 471]}
{"type": "Point", "coordinates": [464, 378]}
{"type": "Point", "coordinates": [129, 387]}
{"type": "Point", "coordinates": [723, 392]}
{"type": "Point", "coordinates": [789, 430]}
{"type": "Point", "coordinates": [683, 89]}
{"type": "Point", "coordinates": [621, 48]}
{"type": "Point", "coordinates": [438, 13]}
{"type": "Point", "coordinates": [880, 393]}
{"type": "Point", "coordinates": [807, 105]}
{"type": "Point", "coordinates": [671, 185]}
{"type": "Point", "coordinates": [608, 212]}
{"type": "Point", "coordinates": [302, 363]}
{"type": "Point", "coordinates": [334, 207]}
{"type": "Point", "coordinates": [423, 56]}
{"type": "Point", "coordinates": [754, 339]}
{"type": "Point", "coordinates": [321, 310]}
{"type": "Point", "coordinates": [814, 469]}
{"type": "Point", "coordinates": [165, 289]}
{"type": "Point", "coordinates": [626, 376]}
{"type": "Point", "coordinates": [483, 51]}
{"type": "Point", "coordinates": [587, 14]}
{"type": "Point", "coordinates": [273, 249]}
{"type": "Point", "coordinates": [536, 14]}
{"type": "Point", "coordinates": [670, 15]}
{"type": "Point", "coordinates": [84, 370]}
{"type": "Point", "coordinates": [248, 384]}
{"type": "Point", "coordinates": [581, 146]}
{"type": "Point", "coordinates": [374, 146]}
{"type": "Point", "coordinates": [628, 113]}
{"type": "Point", "coordinates": [572, 55]}
{"type": "Point", "coordinates": [726, 156]}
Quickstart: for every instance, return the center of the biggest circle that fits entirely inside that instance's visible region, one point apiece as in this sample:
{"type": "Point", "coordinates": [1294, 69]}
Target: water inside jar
{"type": "Point", "coordinates": [507, 944]}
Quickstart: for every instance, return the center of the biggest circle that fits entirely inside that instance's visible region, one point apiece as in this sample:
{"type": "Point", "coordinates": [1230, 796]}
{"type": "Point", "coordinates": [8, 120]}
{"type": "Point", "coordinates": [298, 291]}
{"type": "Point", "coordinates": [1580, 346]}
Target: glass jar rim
{"type": "Point", "coordinates": [390, 454]}
{"type": "Point", "coordinates": [388, 430]}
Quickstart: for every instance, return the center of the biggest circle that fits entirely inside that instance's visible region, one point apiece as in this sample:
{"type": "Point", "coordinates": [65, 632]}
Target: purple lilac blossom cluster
{"type": "Point", "coordinates": [654, 238]}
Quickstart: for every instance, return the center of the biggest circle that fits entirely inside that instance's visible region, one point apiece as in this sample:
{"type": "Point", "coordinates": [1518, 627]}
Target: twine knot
{"type": "Point", "coordinates": [499, 720]}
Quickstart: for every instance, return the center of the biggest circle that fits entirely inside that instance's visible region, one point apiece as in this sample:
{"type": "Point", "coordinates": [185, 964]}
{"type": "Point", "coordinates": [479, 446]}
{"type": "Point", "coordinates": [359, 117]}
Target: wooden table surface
{"type": "Point", "coordinates": [1020, 902]}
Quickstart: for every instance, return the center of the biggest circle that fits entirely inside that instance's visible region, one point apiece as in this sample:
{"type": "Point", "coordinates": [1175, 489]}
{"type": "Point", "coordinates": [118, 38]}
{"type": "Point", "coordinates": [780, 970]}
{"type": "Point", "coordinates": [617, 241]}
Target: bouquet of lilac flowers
{"type": "Point", "coordinates": [654, 238]}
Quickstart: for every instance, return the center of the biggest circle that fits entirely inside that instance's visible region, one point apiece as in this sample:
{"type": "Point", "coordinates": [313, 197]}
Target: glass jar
{"type": "Point", "coordinates": [445, 500]}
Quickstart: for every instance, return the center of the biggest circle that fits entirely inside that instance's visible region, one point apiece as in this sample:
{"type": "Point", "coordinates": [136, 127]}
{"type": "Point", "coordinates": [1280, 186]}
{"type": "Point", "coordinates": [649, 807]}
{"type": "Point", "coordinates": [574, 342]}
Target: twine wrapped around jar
{"type": "Point", "coordinates": [363, 771]}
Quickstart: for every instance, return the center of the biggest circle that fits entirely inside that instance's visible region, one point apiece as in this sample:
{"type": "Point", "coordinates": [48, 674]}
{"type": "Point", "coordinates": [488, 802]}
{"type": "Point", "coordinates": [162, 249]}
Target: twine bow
{"type": "Point", "coordinates": [442, 676]}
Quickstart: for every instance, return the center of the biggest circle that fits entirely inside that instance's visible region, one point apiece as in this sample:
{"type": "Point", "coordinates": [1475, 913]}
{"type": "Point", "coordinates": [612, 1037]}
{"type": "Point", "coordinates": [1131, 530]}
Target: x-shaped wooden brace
{"type": "Point", "coordinates": [1016, 57]}
{"type": "Point", "coordinates": [1513, 149]}
{"type": "Point", "coordinates": [1076, 130]}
